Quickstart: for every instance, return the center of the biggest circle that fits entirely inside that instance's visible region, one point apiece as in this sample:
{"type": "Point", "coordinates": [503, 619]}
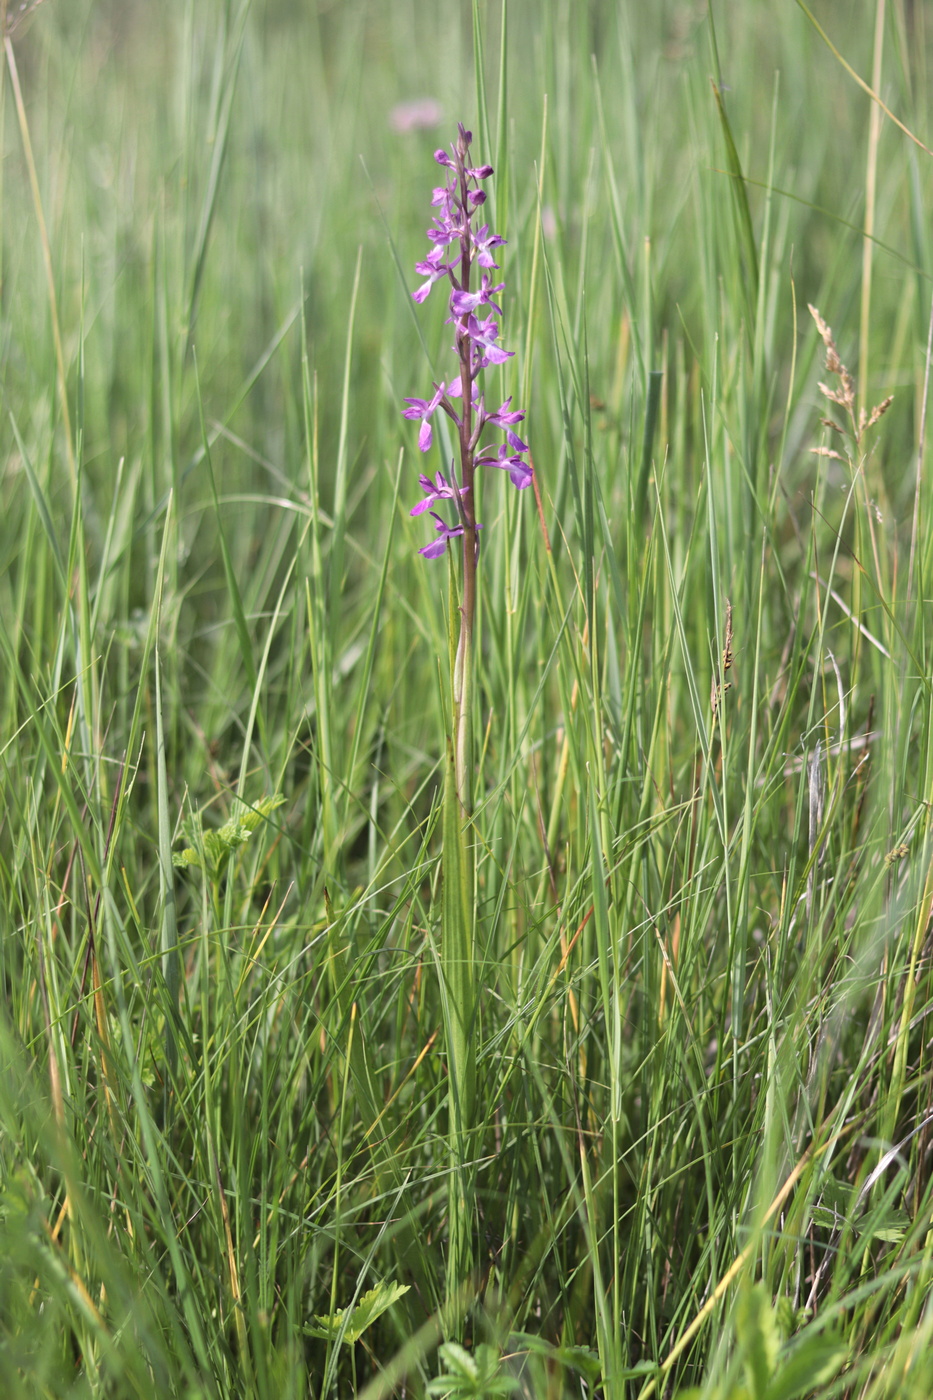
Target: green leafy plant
{"type": "Point", "coordinates": [348, 1324]}
{"type": "Point", "coordinates": [210, 850]}
{"type": "Point", "coordinates": [475, 1374]}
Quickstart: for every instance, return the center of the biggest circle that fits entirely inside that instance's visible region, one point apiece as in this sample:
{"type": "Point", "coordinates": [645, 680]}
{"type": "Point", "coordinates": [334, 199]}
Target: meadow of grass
{"type": "Point", "coordinates": [702, 1144]}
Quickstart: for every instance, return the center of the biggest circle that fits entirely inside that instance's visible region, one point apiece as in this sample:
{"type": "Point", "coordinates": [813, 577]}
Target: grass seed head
{"type": "Point", "coordinates": [845, 396]}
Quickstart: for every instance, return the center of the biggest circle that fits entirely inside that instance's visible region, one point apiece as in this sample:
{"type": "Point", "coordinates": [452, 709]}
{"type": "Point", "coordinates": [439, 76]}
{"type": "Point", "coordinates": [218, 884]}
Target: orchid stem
{"type": "Point", "coordinates": [476, 347]}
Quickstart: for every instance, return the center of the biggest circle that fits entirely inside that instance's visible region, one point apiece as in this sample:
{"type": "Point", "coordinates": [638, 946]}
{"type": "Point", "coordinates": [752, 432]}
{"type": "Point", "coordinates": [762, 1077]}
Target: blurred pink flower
{"type": "Point", "coordinates": [418, 115]}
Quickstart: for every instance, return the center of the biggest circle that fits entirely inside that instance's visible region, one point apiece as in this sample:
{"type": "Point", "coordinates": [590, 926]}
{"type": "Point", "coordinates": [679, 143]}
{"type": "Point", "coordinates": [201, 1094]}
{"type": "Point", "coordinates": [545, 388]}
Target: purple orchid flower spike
{"type": "Point", "coordinates": [458, 252]}
{"type": "Point", "coordinates": [456, 249]}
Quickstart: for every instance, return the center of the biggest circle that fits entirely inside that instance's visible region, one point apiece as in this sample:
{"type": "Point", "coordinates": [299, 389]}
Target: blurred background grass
{"type": "Point", "coordinates": [680, 1002]}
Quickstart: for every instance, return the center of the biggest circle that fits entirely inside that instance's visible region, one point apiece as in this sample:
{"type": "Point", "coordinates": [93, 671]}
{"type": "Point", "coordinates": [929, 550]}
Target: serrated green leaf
{"type": "Point", "coordinates": [352, 1323]}
{"type": "Point", "coordinates": [890, 1227]}
{"type": "Point", "coordinates": [458, 1361]}
{"type": "Point", "coordinates": [473, 1375]}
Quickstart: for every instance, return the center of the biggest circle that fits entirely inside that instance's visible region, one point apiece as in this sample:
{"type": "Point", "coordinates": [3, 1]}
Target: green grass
{"type": "Point", "coordinates": [704, 1107]}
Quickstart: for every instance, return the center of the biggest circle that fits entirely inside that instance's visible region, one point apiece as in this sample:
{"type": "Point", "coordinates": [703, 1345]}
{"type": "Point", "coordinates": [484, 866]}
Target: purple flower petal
{"type": "Point", "coordinates": [446, 532]}
{"type": "Point", "coordinates": [504, 417]}
{"type": "Point", "coordinates": [483, 240]}
{"type": "Point", "coordinates": [435, 549]}
{"type": "Point", "coordinates": [423, 408]}
{"type": "Point", "coordinates": [519, 471]}
{"type": "Point", "coordinates": [432, 267]}
{"type": "Point", "coordinates": [483, 334]}
{"type": "Point", "coordinates": [438, 490]}
{"type": "Point", "coordinates": [444, 234]}
{"type": "Point", "coordinates": [455, 389]}
{"type": "Point", "coordinates": [463, 303]}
